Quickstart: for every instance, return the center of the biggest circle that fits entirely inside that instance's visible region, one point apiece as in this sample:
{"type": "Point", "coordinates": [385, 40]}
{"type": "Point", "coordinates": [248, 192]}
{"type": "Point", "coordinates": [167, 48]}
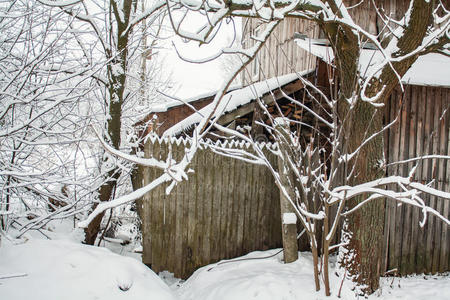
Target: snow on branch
{"type": "Point", "coordinates": [432, 156]}
{"type": "Point", "coordinates": [377, 189]}
{"type": "Point", "coordinates": [124, 199]}
{"type": "Point", "coordinates": [147, 162]}
{"type": "Point", "coordinates": [56, 3]}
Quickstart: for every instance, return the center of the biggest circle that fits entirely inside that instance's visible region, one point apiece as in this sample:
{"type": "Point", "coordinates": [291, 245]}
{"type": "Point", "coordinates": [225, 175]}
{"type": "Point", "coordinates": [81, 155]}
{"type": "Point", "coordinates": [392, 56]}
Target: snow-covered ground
{"type": "Point", "coordinates": [256, 277]}
{"type": "Point", "coordinates": [63, 268]}
{"type": "Point", "coordinates": [66, 270]}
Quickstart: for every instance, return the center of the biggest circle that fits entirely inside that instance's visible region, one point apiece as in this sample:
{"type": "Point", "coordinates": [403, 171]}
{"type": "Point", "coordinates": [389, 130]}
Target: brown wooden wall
{"type": "Point", "coordinates": [226, 209]}
{"type": "Point", "coordinates": [172, 116]}
{"type": "Point", "coordinates": [423, 128]}
{"type": "Point", "coordinates": [281, 55]}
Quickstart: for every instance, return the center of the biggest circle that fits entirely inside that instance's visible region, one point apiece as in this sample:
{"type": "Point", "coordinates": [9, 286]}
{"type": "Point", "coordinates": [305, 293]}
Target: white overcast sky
{"type": "Point", "coordinates": [193, 79]}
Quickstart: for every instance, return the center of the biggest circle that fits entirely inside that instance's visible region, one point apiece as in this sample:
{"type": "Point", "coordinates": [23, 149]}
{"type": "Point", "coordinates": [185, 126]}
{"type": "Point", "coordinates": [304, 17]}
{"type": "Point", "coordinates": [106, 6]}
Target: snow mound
{"type": "Point", "coordinates": [256, 277]}
{"type": "Point", "coordinates": [250, 277]}
{"type": "Point", "coordinates": [62, 269]}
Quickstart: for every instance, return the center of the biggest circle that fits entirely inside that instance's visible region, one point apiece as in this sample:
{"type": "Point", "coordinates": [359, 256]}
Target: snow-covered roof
{"type": "Point", "coordinates": [168, 104]}
{"type": "Point", "coordinates": [429, 70]}
{"type": "Point", "coordinates": [234, 99]}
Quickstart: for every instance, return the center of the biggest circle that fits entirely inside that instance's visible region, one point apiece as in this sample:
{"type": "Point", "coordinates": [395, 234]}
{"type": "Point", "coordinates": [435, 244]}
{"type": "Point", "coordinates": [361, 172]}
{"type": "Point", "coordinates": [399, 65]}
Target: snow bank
{"type": "Point", "coordinates": [251, 277]}
{"type": "Point", "coordinates": [62, 269]}
{"type": "Point", "coordinates": [66, 270]}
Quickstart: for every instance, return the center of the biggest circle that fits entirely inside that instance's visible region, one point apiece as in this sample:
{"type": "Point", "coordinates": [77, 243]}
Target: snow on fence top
{"type": "Point", "coordinates": [429, 70]}
{"type": "Point", "coordinates": [234, 99]}
{"type": "Point", "coordinates": [207, 143]}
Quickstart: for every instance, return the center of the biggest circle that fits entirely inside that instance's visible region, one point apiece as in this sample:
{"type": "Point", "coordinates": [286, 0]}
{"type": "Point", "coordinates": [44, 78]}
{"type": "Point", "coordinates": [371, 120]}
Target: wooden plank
{"type": "Point", "coordinates": [152, 209]}
{"type": "Point", "coordinates": [197, 250]}
{"type": "Point", "coordinates": [145, 220]}
{"type": "Point", "coordinates": [156, 219]}
{"type": "Point", "coordinates": [443, 178]}
{"type": "Point", "coordinates": [251, 227]}
{"type": "Point", "coordinates": [429, 244]}
{"type": "Point", "coordinates": [171, 216]}
{"type": "Point", "coordinates": [398, 209]}
{"type": "Point", "coordinates": [241, 199]}
{"type": "Point", "coordinates": [403, 228]}
{"type": "Point", "coordinates": [178, 198]}
{"type": "Point", "coordinates": [164, 215]}
{"type": "Point", "coordinates": [192, 200]}
{"type": "Point", "coordinates": [422, 150]}
{"type": "Point", "coordinates": [231, 227]}
{"type": "Point", "coordinates": [438, 109]}
{"type": "Point", "coordinates": [260, 212]}
{"type": "Point", "coordinates": [445, 140]}
{"type": "Point", "coordinates": [267, 208]}
{"type": "Point", "coordinates": [208, 199]}
{"type": "Point", "coordinates": [414, 212]}
{"type": "Point", "coordinates": [237, 209]}
{"type": "Point", "coordinates": [274, 214]}
{"type": "Point", "coordinates": [216, 214]}
{"type": "Point", "coordinates": [246, 239]}
{"type": "Point", "coordinates": [224, 206]}
{"type": "Point", "coordinates": [186, 193]}
{"type": "Point", "coordinates": [417, 232]}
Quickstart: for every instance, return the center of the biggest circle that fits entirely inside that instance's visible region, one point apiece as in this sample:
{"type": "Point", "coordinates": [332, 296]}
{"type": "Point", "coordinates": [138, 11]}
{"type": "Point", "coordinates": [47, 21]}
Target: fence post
{"type": "Point", "coordinates": [287, 178]}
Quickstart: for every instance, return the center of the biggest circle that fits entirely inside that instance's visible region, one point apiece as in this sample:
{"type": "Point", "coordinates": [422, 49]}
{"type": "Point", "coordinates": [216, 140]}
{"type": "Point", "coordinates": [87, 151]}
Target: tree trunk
{"type": "Point", "coordinates": [107, 189]}
{"type": "Point", "coordinates": [361, 256]}
{"type": "Point", "coordinates": [105, 193]}
{"type": "Point", "coordinates": [116, 71]}
{"type": "Point", "coordinates": [364, 227]}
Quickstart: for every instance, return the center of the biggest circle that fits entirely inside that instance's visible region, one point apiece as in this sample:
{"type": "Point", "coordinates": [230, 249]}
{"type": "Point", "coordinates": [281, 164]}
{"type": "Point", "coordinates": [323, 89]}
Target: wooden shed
{"type": "Point", "coordinates": [206, 218]}
{"type": "Point", "coordinates": [186, 230]}
{"type": "Point", "coordinates": [227, 208]}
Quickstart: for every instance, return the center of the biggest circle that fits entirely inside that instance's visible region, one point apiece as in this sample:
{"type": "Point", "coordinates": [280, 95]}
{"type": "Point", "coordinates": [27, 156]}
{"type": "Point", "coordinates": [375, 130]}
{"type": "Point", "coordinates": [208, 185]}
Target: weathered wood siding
{"type": "Point", "coordinates": [173, 115]}
{"type": "Point", "coordinates": [280, 55]}
{"type": "Point", "coordinates": [423, 128]}
{"type": "Point", "coordinates": [227, 208]}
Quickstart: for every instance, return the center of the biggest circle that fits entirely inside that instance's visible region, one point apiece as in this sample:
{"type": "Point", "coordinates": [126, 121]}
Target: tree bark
{"type": "Point", "coordinates": [116, 71]}
{"type": "Point", "coordinates": [364, 227]}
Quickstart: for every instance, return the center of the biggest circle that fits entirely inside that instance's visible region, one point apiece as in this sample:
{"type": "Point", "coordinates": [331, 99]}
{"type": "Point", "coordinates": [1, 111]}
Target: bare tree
{"type": "Point", "coordinates": [110, 29]}
{"type": "Point", "coordinates": [68, 66]}
{"type": "Point", "coordinates": [40, 100]}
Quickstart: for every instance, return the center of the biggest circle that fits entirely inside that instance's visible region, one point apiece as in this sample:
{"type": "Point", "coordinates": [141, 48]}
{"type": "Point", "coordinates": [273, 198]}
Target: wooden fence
{"type": "Point", "coordinates": [423, 128]}
{"type": "Point", "coordinates": [227, 208]}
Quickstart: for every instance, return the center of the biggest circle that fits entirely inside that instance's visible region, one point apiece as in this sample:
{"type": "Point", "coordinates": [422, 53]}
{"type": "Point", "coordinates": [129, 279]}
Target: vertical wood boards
{"type": "Point", "coordinates": [225, 209]}
{"type": "Point", "coordinates": [423, 129]}
{"type": "Point", "coordinates": [280, 55]}
{"type": "Point", "coordinates": [228, 208]}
